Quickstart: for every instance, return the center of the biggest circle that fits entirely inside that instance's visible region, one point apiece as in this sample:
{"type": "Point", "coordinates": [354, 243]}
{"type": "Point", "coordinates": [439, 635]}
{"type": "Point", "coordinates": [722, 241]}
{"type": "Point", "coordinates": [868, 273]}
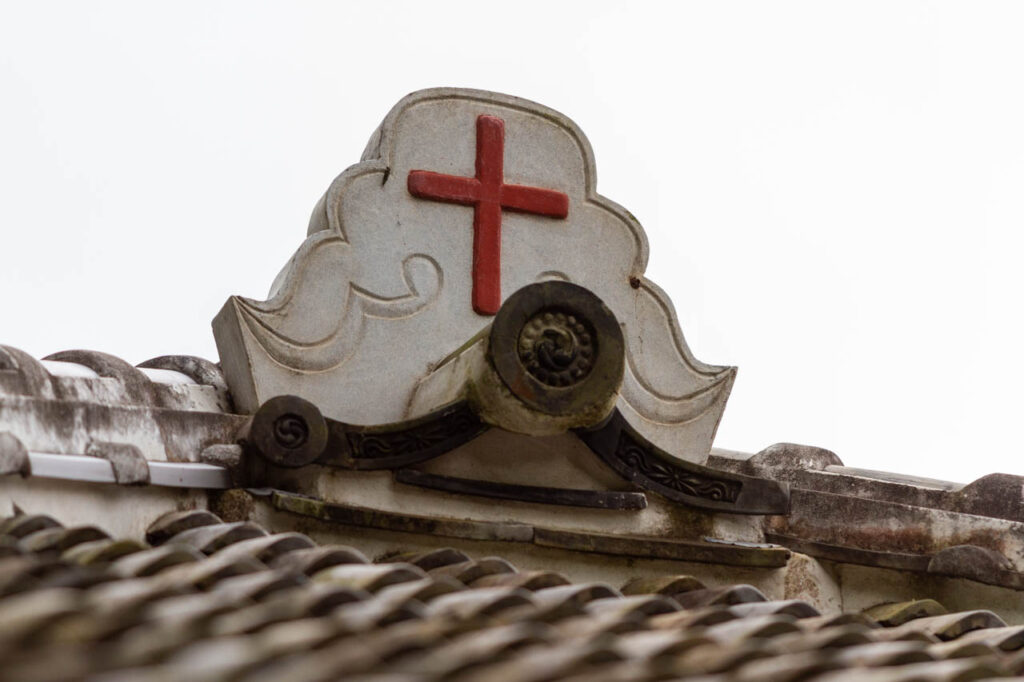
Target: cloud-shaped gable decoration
{"type": "Point", "coordinates": [385, 287]}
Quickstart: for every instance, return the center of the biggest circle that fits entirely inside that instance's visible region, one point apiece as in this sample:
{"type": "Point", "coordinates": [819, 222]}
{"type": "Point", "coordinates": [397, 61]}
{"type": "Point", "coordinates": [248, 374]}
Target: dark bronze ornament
{"type": "Point", "coordinates": [394, 445]}
{"type": "Point", "coordinates": [641, 459]}
{"type": "Point", "coordinates": [287, 431]}
{"type": "Point", "coordinates": [558, 348]}
{"type": "Point", "coordinates": [637, 460]}
{"type": "Point", "coordinates": [290, 432]}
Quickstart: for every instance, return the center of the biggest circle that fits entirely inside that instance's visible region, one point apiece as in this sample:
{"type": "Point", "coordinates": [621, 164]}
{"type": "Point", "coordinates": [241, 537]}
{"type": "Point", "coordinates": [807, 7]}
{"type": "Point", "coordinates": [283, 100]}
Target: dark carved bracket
{"type": "Point", "coordinates": [392, 446]}
{"type": "Point", "coordinates": [637, 460]}
{"type": "Point", "coordinates": [291, 432]}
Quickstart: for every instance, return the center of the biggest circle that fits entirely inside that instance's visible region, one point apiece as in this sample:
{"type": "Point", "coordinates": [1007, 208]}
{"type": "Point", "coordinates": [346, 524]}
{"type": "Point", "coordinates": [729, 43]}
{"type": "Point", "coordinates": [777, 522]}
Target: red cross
{"type": "Point", "coordinates": [488, 194]}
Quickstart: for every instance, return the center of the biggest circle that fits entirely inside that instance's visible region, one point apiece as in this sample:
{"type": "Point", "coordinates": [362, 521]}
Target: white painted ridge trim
{"type": "Point", "coordinates": [188, 475]}
{"type": "Point", "coordinates": [71, 467]}
{"type": "Point", "coordinates": [97, 470]}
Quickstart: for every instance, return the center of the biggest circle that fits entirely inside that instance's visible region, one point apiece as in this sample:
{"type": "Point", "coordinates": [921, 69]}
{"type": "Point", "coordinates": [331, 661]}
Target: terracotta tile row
{"type": "Point", "coordinates": [205, 600]}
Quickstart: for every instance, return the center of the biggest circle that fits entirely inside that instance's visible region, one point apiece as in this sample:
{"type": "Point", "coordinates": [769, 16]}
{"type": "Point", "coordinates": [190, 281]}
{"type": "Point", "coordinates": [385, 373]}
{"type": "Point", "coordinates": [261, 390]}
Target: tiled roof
{"type": "Point", "coordinates": [201, 599]}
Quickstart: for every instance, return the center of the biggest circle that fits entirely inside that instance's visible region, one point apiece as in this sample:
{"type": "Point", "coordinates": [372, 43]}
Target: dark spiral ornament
{"type": "Point", "coordinates": [557, 347]}
{"type": "Point", "coordinates": [291, 431]}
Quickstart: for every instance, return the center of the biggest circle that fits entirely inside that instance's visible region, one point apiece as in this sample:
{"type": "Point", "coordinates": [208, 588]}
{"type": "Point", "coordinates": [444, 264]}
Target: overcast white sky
{"type": "Point", "coordinates": [833, 192]}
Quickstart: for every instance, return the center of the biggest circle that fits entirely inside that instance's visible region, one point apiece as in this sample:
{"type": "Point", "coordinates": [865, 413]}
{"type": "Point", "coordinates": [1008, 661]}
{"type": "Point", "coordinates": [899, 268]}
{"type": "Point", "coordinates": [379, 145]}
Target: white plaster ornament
{"type": "Point", "coordinates": [462, 197]}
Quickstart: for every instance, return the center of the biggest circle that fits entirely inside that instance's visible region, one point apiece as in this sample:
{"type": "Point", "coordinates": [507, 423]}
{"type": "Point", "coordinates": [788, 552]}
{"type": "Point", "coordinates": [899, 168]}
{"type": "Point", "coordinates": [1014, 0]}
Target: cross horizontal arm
{"type": "Point", "coordinates": [441, 187]}
{"type": "Point", "coordinates": [544, 202]}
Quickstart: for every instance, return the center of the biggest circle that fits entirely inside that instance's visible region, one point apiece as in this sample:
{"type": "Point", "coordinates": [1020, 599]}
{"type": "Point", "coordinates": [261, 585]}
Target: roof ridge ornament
{"type": "Point", "coordinates": [552, 361]}
{"type": "Point", "coordinates": [462, 198]}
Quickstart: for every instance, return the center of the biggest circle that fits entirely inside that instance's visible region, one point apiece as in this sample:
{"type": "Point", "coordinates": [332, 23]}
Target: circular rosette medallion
{"type": "Point", "coordinates": [558, 348]}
